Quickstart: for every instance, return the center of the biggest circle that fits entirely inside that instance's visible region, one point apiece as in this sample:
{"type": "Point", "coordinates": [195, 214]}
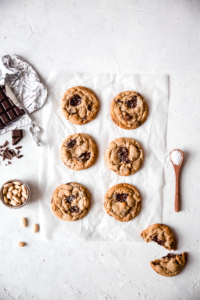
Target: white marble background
{"type": "Point", "coordinates": [129, 36]}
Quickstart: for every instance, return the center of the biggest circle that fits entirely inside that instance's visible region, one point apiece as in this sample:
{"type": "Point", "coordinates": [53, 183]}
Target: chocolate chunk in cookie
{"type": "Point", "coordinates": [124, 156]}
{"type": "Point", "coordinates": [78, 151]}
{"type": "Point", "coordinates": [169, 265]}
{"type": "Point", "coordinates": [122, 202]}
{"type": "Point", "coordinates": [79, 105]}
{"type": "Point", "coordinates": [161, 234]}
{"type": "Point", "coordinates": [129, 110]}
{"type": "Point", "coordinates": [70, 202]}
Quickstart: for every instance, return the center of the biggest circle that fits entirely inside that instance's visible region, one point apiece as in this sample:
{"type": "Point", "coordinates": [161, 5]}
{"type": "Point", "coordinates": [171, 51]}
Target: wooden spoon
{"type": "Point", "coordinates": [177, 169]}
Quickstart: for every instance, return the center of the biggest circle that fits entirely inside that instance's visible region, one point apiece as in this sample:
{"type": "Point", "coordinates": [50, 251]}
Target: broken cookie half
{"type": "Point", "coordinates": [170, 265]}
{"type": "Point", "coordinates": [161, 234]}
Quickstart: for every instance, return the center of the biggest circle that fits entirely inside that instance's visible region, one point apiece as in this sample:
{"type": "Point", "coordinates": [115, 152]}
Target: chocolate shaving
{"type": "Point", "coordinates": [19, 147]}
{"type": "Point", "coordinates": [20, 156]}
{"type": "Point", "coordinates": [5, 144]}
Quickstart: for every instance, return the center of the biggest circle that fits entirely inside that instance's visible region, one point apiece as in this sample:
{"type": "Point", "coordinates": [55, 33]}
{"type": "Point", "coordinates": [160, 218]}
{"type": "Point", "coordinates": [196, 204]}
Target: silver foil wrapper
{"type": "Point", "coordinates": [23, 86]}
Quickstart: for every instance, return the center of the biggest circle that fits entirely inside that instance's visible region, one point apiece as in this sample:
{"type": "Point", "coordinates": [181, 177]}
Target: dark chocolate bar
{"type": "Point", "coordinates": [9, 112]}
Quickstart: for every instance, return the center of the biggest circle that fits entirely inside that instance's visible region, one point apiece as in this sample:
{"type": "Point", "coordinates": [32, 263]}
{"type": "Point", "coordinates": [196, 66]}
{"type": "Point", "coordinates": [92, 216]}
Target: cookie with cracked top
{"type": "Point", "coordinates": [79, 105]}
{"type": "Point", "coordinates": [169, 265]}
{"type": "Point", "coordinates": [122, 202]}
{"type": "Point", "coordinates": [124, 156]}
{"type": "Point", "coordinates": [129, 110]}
{"type": "Point", "coordinates": [70, 201]}
{"type": "Point", "coordinates": [78, 151]}
{"type": "Point", "coordinates": [161, 234]}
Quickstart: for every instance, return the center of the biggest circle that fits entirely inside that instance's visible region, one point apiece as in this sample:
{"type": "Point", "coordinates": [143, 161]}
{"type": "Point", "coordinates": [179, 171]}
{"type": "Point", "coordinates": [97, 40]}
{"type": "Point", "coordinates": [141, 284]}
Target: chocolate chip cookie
{"type": "Point", "coordinates": [79, 105]}
{"type": "Point", "coordinates": [129, 110]}
{"type": "Point", "coordinates": [169, 265]}
{"type": "Point", "coordinates": [70, 201]}
{"type": "Point", "coordinates": [161, 234]}
{"type": "Point", "coordinates": [78, 151]}
{"type": "Point", "coordinates": [124, 156]}
{"type": "Point", "coordinates": [122, 202]}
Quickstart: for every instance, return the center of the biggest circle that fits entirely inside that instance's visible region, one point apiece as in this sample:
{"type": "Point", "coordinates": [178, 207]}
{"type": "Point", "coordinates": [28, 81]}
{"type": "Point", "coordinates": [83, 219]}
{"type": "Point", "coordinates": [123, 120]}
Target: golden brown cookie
{"type": "Point", "coordinates": [169, 265]}
{"type": "Point", "coordinates": [122, 202]}
{"type": "Point", "coordinates": [129, 110]}
{"type": "Point", "coordinates": [124, 156]}
{"type": "Point", "coordinates": [78, 151]}
{"type": "Point", "coordinates": [70, 201]}
{"type": "Point", "coordinates": [161, 234]}
{"type": "Point", "coordinates": [79, 105]}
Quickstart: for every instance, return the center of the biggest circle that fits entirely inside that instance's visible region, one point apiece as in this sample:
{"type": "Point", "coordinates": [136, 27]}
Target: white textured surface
{"type": "Point", "coordinates": [106, 36]}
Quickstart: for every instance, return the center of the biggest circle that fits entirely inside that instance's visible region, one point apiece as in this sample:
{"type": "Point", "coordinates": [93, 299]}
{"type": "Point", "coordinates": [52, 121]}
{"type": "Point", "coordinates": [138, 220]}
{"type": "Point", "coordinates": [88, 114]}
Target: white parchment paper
{"type": "Point", "coordinates": [97, 225]}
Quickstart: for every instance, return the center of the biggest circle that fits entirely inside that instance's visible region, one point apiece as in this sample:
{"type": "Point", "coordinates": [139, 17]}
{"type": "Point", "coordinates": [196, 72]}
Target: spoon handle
{"type": "Point", "coordinates": [177, 202]}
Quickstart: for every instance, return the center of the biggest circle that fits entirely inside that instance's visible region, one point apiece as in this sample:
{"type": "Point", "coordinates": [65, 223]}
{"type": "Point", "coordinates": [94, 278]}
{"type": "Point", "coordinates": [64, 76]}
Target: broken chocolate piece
{"type": "Point", "coordinates": [127, 117]}
{"type": "Point", "coordinates": [17, 135]}
{"type": "Point", "coordinates": [85, 156]}
{"type": "Point", "coordinates": [75, 100]}
{"type": "Point", "coordinates": [159, 242]}
{"type": "Point", "coordinates": [121, 197]}
{"type": "Point", "coordinates": [123, 155]}
{"type": "Point", "coordinates": [132, 103]}
{"type": "Point", "coordinates": [74, 209]}
{"type": "Point", "coordinates": [71, 144]}
{"type": "Point", "coordinates": [70, 198]}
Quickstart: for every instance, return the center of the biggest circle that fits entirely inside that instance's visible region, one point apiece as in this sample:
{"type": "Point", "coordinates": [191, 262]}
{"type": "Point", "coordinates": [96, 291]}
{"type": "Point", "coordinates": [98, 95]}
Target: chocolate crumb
{"type": "Point", "coordinates": [9, 163]}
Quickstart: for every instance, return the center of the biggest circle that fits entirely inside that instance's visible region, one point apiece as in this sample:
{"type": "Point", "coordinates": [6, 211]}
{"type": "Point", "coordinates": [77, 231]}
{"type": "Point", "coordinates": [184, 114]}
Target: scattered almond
{"type": "Point", "coordinates": [21, 244]}
{"type": "Point", "coordinates": [24, 222]}
{"type": "Point", "coordinates": [35, 228]}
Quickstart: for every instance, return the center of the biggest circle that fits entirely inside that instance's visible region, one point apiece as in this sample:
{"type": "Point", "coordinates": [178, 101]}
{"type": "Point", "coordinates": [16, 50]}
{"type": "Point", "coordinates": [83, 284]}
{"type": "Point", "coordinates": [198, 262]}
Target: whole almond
{"type": "Point", "coordinates": [12, 202]}
{"type": "Point", "coordinates": [5, 190]}
{"type": "Point", "coordinates": [5, 199]}
{"type": "Point", "coordinates": [35, 228]}
{"type": "Point", "coordinates": [24, 195]}
{"type": "Point", "coordinates": [16, 199]}
{"type": "Point", "coordinates": [15, 192]}
{"type": "Point", "coordinates": [23, 199]}
{"type": "Point", "coordinates": [11, 188]}
{"type": "Point", "coordinates": [24, 222]}
{"type": "Point", "coordinates": [17, 187]}
{"type": "Point", "coordinates": [8, 184]}
{"type": "Point", "coordinates": [21, 244]}
{"type": "Point", "coordinates": [9, 195]}
{"type": "Point", "coordinates": [24, 189]}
